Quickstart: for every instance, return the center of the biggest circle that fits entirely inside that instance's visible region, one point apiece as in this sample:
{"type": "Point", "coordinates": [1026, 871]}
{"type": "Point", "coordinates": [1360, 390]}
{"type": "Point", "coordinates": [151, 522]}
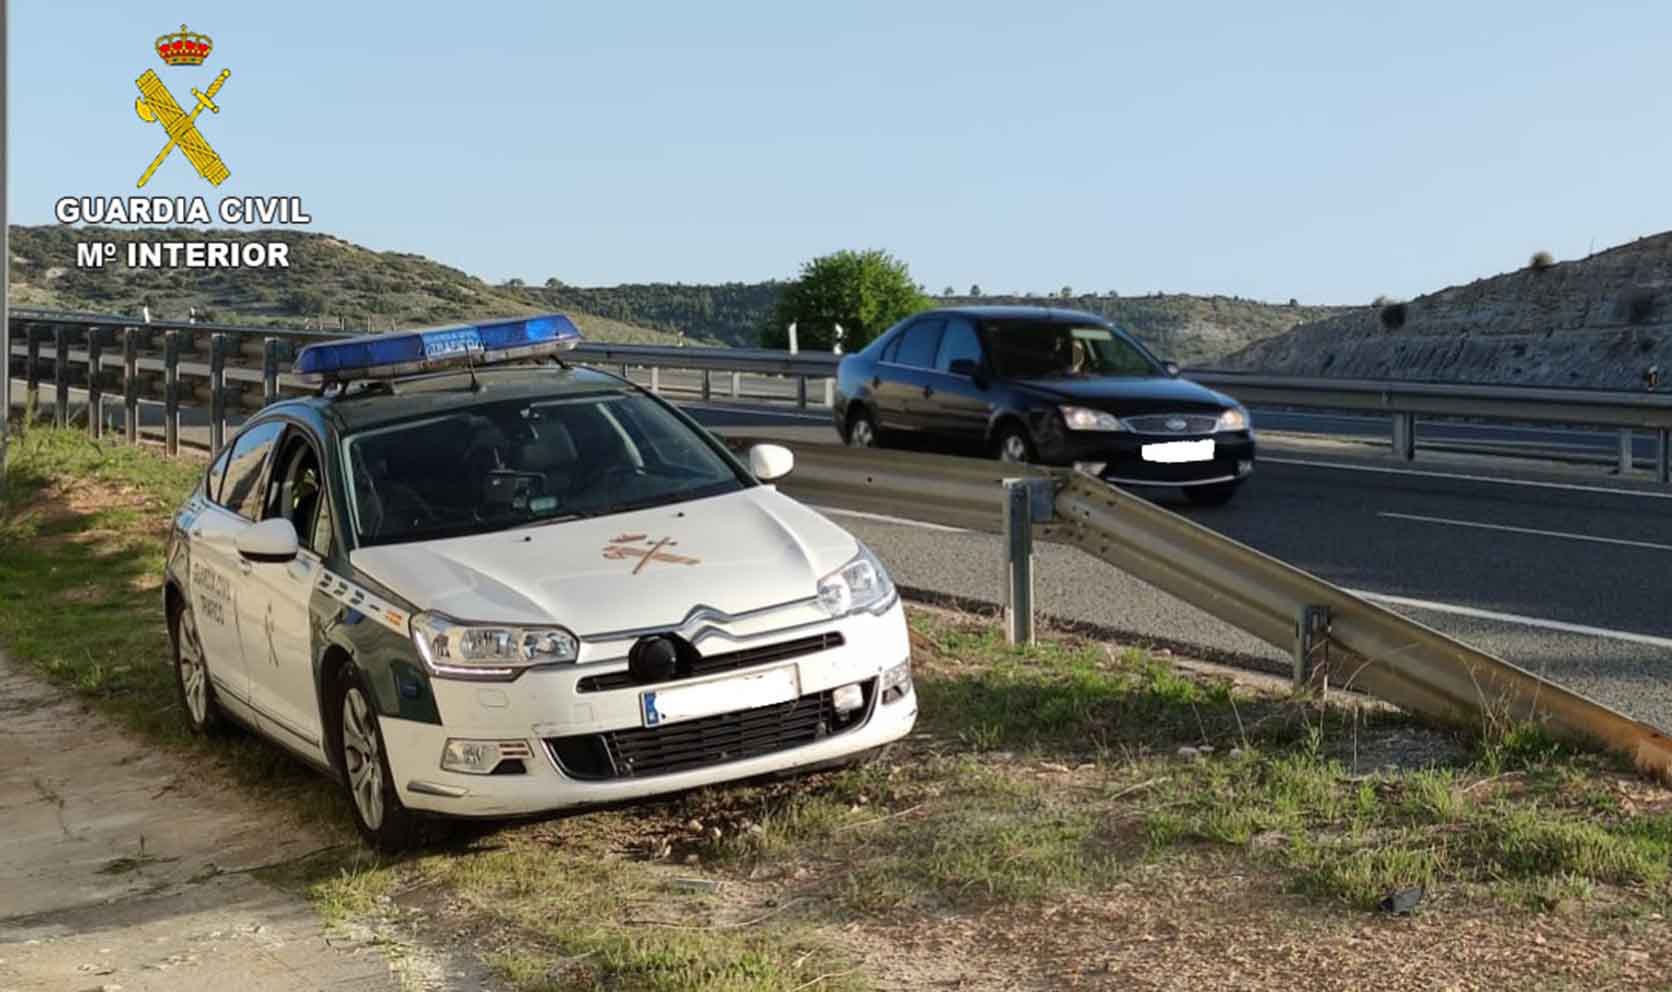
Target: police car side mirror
{"type": "Point", "coordinates": [770, 461]}
{"type": "Point", "coordinates": [1172, 369]}
{"type": "Point", "coordinates": [269, 541]}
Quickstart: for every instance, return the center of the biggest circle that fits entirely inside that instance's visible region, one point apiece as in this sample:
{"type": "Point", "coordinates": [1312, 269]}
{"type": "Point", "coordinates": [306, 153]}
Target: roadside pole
{"type": "Point", "coordinates": [5, 260]}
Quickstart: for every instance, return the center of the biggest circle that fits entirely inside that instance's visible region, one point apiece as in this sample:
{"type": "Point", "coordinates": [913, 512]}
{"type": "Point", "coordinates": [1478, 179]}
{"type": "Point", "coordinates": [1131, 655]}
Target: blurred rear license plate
{"type": "Point", "coordinates": [689, 702]}
{"type": "Point", "coordinates": [1173, 452]}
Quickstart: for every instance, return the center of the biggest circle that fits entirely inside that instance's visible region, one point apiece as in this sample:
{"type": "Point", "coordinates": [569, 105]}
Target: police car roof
{"type": "Point", "coordinates": [445, 392]}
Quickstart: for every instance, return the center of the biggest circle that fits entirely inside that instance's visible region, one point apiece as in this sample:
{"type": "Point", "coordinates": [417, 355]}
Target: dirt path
{"type": "Point", "coordinates": [120, 868]}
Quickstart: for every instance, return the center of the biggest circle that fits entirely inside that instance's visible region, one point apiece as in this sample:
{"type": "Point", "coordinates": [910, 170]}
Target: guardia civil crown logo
{"type": "Point", "coordinates": [155, 104]}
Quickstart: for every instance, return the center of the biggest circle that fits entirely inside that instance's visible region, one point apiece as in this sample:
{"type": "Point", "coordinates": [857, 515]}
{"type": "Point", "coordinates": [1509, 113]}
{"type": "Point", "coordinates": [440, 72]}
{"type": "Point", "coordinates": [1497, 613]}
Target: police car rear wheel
{"type": "Point", "coordinates": [378, 812]}
{"type": "Point", "coordinates": [191, 676]}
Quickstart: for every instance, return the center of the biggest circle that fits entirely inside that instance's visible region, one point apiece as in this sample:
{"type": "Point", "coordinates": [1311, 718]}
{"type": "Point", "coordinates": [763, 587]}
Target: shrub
{"type": "Point", "coordinates": [1540, 261]}
{"type": "Point", "coordinates": [1640, 305]}
{"type": "Point", "coordinates": [1393, 316]}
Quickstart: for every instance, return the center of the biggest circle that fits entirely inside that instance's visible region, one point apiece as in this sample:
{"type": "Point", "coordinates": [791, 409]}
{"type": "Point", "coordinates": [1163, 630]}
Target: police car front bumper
{"type": "Point", "coordinates": [558, 726]}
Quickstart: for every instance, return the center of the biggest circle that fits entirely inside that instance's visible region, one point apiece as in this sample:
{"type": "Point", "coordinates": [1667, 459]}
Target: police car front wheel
{"type": "Point", "coordinates": [191, 676]}
{"type": "Point", "coordinates": [382, 820]}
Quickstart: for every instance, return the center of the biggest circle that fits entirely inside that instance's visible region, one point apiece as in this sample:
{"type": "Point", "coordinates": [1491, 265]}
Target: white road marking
{"type": "Point", "coordinates": [1573, 487]}
{"type": "Point", "coordinates": [886, 519]}
{"type": "Point", "coordinates": [1526, 530]}
{"type": "Point", "coordinates": [1516, 618]}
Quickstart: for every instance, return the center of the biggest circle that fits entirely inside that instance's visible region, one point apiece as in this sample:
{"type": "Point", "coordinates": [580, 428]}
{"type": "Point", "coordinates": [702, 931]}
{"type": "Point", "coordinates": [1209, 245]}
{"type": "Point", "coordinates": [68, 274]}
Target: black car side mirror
{"type": "Point", "coordinates": [1172, 369]}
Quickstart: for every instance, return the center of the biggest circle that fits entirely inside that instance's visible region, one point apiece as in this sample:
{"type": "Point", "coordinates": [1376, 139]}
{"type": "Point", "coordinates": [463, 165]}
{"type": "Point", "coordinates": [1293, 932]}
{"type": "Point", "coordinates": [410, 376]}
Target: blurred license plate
{"type": "Point", "coordinates": [1173, 452]}
{"type": "Point", "coordinates": [688, 702]}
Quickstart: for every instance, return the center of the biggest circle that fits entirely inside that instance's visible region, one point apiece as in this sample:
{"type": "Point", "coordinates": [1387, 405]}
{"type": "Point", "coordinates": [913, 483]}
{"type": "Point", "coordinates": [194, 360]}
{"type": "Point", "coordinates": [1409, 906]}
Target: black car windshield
{"type": "Point", "coordinates": [1037, 350]}
{"type": "Point", "coordinates": [520, 462]}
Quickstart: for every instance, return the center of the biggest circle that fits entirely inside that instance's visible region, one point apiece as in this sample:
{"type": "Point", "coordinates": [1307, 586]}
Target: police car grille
{"type": "Point", "coordinates": [1194, 423]}
{"type": "Point", "coordinates": [706, 742]}
{"type": "Point", "coordinates": [729, 661]}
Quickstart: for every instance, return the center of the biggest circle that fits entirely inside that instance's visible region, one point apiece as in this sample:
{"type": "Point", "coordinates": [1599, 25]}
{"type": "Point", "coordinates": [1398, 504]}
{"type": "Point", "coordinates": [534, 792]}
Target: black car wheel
{"type": "Point", "coordinates": [1014, 445]}
{"type": "Point", "coordinates": [191, 677]}
{"type": "Point", "coordinates": [1217, 494]}
{"type": "Point", "coordinates": [382, 820]}
{"type": "Point", "coordinates": [862, 431]}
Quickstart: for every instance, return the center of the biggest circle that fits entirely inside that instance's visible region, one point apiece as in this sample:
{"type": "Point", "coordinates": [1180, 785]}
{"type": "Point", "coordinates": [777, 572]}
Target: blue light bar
{"type": "Point", "coordinates": [385, 356]}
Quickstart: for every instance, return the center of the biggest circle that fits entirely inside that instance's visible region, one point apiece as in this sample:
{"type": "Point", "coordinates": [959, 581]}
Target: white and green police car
{"type": "Point", "coordinates": [467, 579]}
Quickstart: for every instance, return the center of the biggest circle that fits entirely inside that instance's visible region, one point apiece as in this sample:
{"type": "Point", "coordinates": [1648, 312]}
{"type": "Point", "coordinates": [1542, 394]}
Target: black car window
{"type": "Point", "coordinates": [242, 492]}
{"type": "Point", "coordinates": [958, 341]}
{"type": "Point", "coordinates": [217, 472]}
{"type": "Point", "coordinates": [918, 344]}
{"type": "Point", "coordinates": [1034, 349]}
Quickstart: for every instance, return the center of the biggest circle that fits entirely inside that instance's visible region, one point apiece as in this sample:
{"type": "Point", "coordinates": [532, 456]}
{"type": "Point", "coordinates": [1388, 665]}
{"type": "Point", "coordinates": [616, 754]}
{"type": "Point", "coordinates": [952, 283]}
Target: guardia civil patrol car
{"type": "Point", "coordinates": [469, 579]}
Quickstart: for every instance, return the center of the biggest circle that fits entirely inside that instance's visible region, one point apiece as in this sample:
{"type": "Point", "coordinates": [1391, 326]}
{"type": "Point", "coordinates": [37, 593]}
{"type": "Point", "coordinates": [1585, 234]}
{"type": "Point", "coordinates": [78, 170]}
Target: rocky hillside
{"type": "Point", "coordinates": [330, 283]}
{"type": "Point", "coordinates": [1599, 322]}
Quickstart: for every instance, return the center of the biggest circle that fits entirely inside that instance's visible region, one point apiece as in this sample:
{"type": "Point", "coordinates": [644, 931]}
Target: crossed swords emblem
{"type": "Point", "coordinates": [156, 103]}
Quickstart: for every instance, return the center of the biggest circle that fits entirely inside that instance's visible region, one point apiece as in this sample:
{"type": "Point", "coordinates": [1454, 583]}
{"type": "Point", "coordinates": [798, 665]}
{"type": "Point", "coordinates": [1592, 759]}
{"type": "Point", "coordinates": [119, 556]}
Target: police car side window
{"type": "Point", "coordinates": [217, 472]}
{"type": "Point", "coordinates": [242, 491]}
{"type": "Point", "coordinates": [297, 492]}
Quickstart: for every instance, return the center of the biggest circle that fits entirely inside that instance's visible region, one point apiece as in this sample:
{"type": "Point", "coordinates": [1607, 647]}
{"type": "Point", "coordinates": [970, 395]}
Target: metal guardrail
{"type": "Point", "coordinates": [251, 356]}
{"type": "Point", "coordinates": [1334, 637]}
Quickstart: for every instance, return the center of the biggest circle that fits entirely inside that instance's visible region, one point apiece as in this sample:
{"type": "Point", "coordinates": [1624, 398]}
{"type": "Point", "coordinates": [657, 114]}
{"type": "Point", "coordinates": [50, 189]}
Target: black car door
{"type": "Point", "coordinates": [903, 375]}
{"type": "Point", "coordinates": [957, 401]}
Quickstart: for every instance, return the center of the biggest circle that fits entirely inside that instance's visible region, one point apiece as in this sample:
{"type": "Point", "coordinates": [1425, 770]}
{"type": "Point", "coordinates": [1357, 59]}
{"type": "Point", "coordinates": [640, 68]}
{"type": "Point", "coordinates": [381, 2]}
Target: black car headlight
{"type": "Point", "coordinates": [1234, 419]}
{"type": "Point", "coordinates": [1079, 418]}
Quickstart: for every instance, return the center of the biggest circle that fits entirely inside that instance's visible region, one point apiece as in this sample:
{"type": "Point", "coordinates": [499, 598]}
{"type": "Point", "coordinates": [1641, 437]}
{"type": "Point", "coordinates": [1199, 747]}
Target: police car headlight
{"type": "Point", "coordinates": [861, 584]}
{"type": "Point", "coordinates": [463, 650]}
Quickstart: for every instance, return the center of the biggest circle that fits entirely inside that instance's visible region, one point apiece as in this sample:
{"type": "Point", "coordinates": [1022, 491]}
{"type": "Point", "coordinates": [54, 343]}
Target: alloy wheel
{"type": "Point", "coordinates": [360, 758]}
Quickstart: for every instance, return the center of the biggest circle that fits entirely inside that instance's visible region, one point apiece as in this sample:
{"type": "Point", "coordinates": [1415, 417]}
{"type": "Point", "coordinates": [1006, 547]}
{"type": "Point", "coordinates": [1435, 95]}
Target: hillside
{"type": "Point", "coordinates": [1188, 329]}
{"type": "Point", "coordinates": [1598, 322]}
{"type": "Point", "coordinates": [328, 280]}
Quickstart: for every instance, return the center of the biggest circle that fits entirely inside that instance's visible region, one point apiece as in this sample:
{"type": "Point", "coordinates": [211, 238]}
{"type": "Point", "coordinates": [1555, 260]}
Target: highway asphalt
{"type": "Point", "coordinates": [1557, 570]}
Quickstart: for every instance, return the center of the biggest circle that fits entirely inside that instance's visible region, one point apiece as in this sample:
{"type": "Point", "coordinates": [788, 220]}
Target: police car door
{"type": "Point", "coordinates": [273, 609]}
{"type": "Point", "coordinates": [218, 576]}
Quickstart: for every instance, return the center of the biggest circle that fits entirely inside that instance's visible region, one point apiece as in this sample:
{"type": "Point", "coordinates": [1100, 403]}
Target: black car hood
{"type": "Point", "coordinates": [1128, 396]}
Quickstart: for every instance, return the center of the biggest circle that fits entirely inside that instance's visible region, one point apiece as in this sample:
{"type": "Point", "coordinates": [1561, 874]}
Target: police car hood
{"type": "Point", "coordinates": [736, 552]}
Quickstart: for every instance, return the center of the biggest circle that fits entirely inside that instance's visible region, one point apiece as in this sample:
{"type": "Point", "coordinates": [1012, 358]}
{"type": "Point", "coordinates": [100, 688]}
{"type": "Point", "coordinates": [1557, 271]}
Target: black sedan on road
{"type": "Point", "coordinates": [1057, 387]}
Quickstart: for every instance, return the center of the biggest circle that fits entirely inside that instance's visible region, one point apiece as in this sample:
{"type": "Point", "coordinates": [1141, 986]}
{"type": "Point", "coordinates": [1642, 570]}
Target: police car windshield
{"type": "Point", "coordinates": [520, 462]}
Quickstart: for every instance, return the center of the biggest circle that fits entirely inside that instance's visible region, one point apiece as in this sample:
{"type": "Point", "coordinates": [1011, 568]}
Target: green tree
{"type": "Point", "coordinates": [514, 283]}
{"type": "Point", "coordinates": [949, 291]}
{"type": "Point", "coordinates": [1067, 292]}
{"type": "Point", "coordinates": [975, 289]}
{"type": "Point", "coordinates": [864, 291]}
{"type": "Point", "coordinates": [554, 283]}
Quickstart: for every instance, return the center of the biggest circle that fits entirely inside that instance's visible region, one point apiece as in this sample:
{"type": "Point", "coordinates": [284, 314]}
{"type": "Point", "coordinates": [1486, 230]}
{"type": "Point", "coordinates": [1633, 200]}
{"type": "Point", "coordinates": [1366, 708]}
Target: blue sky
{"type": "Point", "coordinates": [1326, 151]}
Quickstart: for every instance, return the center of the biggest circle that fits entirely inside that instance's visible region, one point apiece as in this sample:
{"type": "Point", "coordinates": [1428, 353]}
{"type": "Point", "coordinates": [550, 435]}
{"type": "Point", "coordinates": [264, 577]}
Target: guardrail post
{"type": "Point", "coordinates": [656, 378]}
{"type": "Point", "coordinates": [1405, 436]}
{"type": "Point", "coordinates": [737, 385]}
{"type": "Point", "coordinates": [624, 370]}
{"type": "Point", "coordinates": [130, 384]}
{"type": "Point", "coordinates": [217, 393]}
{"type": "Point", "coordinates": [32, 371]}
{"type": "Point", "coordinates": [707, 384]}
{"type": "Point", "coordinates": [1018, 563]}
{"type": "Point", "coordinates": [95, 382]}
{"type": "Point", "coordinates": [801, 392]}
{"type": "Point", "coordinates": [269, 371]}
{"type": "Point", "coordinates": [1626, 460]}
{"type": "Point", "coordinates": [1663, 456]}
{"type": "Point", "coordinates": [1312, 648]}
{"type": "Point", "coordinates": [830, 392]}
{"type": "Point", "coordinates": [60, 376]}
{"type": "Point", "coordinates": [171, 392]}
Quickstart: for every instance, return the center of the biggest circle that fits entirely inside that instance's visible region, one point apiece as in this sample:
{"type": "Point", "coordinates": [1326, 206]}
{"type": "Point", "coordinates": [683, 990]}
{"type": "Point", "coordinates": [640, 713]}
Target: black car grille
{"type": "Point", "coordinates": [1162, 473]}
{"type": "Point", "coordinates": [703, 743]}
{"type": "Point", "coordinates": [729, 661]}
{"type": "Point", "coordinates": [1161, 423]}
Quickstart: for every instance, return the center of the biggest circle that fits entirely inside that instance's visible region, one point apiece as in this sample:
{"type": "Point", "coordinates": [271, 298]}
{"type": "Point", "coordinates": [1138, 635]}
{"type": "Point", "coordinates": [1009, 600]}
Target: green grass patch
{"type": "Point", "coordinates": [83, 532]}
